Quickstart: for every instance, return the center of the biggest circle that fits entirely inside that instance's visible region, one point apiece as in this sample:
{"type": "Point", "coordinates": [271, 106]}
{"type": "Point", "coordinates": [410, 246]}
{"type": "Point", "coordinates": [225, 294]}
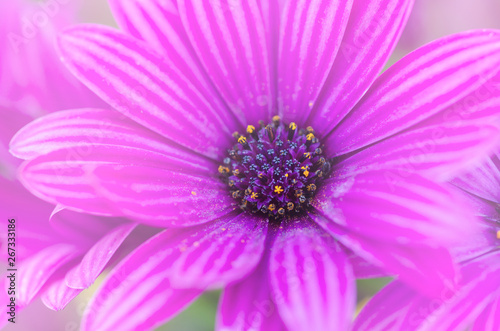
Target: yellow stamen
{"type": "Point", "coordinates": [310, 136]}
{"type": "Point", "coordinates": [223, 170]}
{"type": "Point", "coordinates": [254, 195]}
{"type": "Point", "coordinates": [293, 126]}
{"type": "Point", "coordinates": [242, 140]}
{"type": "Point", "coordinates": [271, 207]}
{"type": "Point", "coordinates": [276, 119]}
{"type": "Point", "coordinates": [250, 129]}
{"type": "Point", "coordinates": [306, 173]}
{"type": "Point", "coordinates": [307, 155]}
{"type": "Point", "coordinates": [278, 189]}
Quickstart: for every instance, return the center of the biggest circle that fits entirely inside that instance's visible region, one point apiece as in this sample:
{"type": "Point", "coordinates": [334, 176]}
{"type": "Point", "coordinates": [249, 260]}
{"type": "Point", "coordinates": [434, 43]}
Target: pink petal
{"type": "Point", "coordinates": [97, 257]}
{"type": "Point", "coordinates": [37, 269]}
{"type": "Point", "coordinates": [126, 181]}
{"type": "Point", "coordinates": [440, 151]}
{"type": "Point", "coordinates": [372, 31]}
{"type": "Point", "coordinates": [159, 24]}
{"type": "Point", "coordinates": [489, 320]}
{"type": "Point", "coordinates": [143, 278]}
{"type": "Point", "coordinates": [249, 304]}
{"type": "Point", "coordinates": [402, 227]}
{"type": "Point", "coordinates": [136, 81]}
{"type": "Point", "coordinates": [483, 181]}
{"type": "Point", "coordinates": [364, 269]}
{"type": "Point", "coordinates": [420, 85]}
{"type": "Point", "coordinates": [230, 40]}
{"type": "Point", "coordinates": [58, 295]}
{"type": "Point", "coordinates": [310, 36]}
{"type": "Point", "coordinates": [312, 275]}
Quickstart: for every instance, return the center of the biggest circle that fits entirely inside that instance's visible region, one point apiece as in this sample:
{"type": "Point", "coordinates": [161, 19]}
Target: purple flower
{"type": "Point", "coordinates": [55, 261]}
{"type": "Point", "coordinates": [341, 177]}
{"type": "Point", "coordinates": [477, 303]}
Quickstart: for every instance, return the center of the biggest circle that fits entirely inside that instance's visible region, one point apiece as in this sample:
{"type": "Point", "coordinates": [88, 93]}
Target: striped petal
{"type": "Point", "coordinates": [489, 320]}
{"type": "Point", "coordinates": [312, 275]}
{"type": "Point", "coordinates": [310, 36]}
{"type": "Point", "coordinates": [37, 269]}
{"type": "Point", "coordinates": [159, 24]}
{"type": "Point", "coordinates": [125, 181]}
{"type": "Point", "coordinates": [207, 255]}
{"type": "Point", "coordinates": [249, 304]}
{"type": "Point", "coordinates": [124, 72]}
{"type": "Point", "coordinates": [97, 257]}
{"type": "Point", "coordinates": [230, 40]}
{"type": "Point", "coordinates": [402, 226]}
{"type": "Point", "coordinates": [58, 295]}
{"type": "Point", "coordinates": [373, 29]}
{"type": "Point", "coordinates": [440, 151]}
{"type": "Point", "coordinates": [420, 85]}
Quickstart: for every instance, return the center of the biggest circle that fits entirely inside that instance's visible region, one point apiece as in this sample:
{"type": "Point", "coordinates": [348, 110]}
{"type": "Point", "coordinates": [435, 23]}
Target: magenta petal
{"type": "Point", "coordinates": [126, 181]}
{"type": "Point", "coordinates": [372, 32]}
{"type": "Point", "coordinates": [310, 271]}
{"type": "Point", "coordinates": [136, 81]}
{"type": "Point", "coordinates": [310, 36]}
{"type": "Point", "coordinates": [489, 320]}
{"type": "Point", "coordinates": [249, 305]}
{"type": "Point", "coordinates": [149, 298]}
{"type": "Point", "coordinates": [403, 226]}
{"type": "Point", "coordinates": [58, 295]}
{"type": "Point", "coordinates": [439, 151]}
{"type": "Point", "coordinates": [82, 129]}
{"type": "Point", "coordinates": [230, 40]}
{"type": "Point", "coordinates": [483, 181]}
{"type": "Point", "coordinates": [38, 268]}
{"type": "Point", "coordinates": [395, 307]}
{"type": "Point", "coordinates": [219, 254]}
{"type": "Point", "coordinates": [420, 85]}
{"type": "Point", "coordinates": [364, 269]}
{"type": "Point", "coordinates": [94, 261]}
{"type": "Point", "coordinates": [158, 23]}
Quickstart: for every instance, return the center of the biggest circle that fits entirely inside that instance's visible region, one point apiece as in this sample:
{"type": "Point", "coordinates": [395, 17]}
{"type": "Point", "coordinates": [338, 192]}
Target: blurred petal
{"type": "Point", "coordinates": [372, 32]}
{"type": "Point", "coordinates": [158, 23]}
{"type": "Point", "coordinates": [249, 305]}
{"type": "Point", "coordinates": [403, 225]}
{"type": "Point", "coordinates": [312, 275]}
{"type": "Point", "coordinates": [489, 320]}
{"type": "Point", "coordinates": [420, 85]}
{"type": "Point", "coordinates": [38, 268]}
{"type": "Point", "coordinates": [136, 81]}
{"type": "Point", "coordinates": [58, 295]}
{"type": "Point", "coordinates": [86, 272]}
{"type": "Point", "coordinates": [118, 180]}
{"type": "Point", "coordinates": [439, 152]}
{"type": "Point", "coordinates": [310, 36]}
{"type": "Point", "coordinates": [230, 40]}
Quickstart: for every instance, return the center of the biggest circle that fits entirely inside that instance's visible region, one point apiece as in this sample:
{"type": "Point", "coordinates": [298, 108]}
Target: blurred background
{"type": "Point", "coordinates": [430, 19]}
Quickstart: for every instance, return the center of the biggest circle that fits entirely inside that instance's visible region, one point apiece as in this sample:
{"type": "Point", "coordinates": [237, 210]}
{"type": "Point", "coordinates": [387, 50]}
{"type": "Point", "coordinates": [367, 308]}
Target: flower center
{"type": "Point", "coordinates": [275, 169]}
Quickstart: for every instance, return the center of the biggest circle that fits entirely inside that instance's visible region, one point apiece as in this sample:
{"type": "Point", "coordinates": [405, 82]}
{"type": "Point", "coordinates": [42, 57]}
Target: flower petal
{"type": "Point", "coordinates": [230, 40]}
{"type": "Point", "coordinates": [58, 295]}
{"type": "Point", "coordinates": [136, 81]}
{"type": "Point", "coordinates": [96, 258]}
{"type": "Point", "coordinates": [38, 268]}
{"type": "Point", "coordinates": [144, 277]}
{"type": "Point", "coordinates": [489, 320]}
{"type": "Point", "coordinates": [159, 24]}
{"type": "Point", "coordinates": [249, 304]}
{"type": "Point", "coordinates": [126, 181]}
{"type": "Point", "coordinates": [310, 36]}
{"type": "Point", "coordinates": [420, 85]}
{"type": "Point", "coordinates": [402, 227]}
{"type": "Point", "coordinates": [219, 254]}
{"type": "Point", "coordinates": [438, 151]}
{"type": "Point", "coordinates": [312, 275]}
{"type": "Point", "coordinates": [373, 29]}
